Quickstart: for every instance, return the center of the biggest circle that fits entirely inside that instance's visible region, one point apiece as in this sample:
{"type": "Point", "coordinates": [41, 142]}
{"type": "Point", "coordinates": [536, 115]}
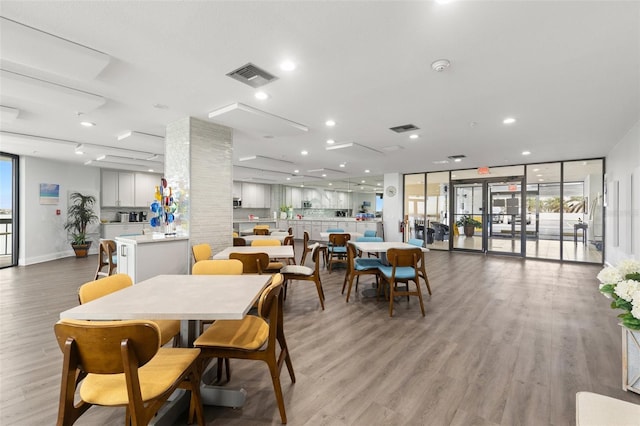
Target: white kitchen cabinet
{"type": "Point", "coordinates": [145, 189]}
{"type": "Point", "coordinates": [237, 189]}
{"type": "Point", "coordinates": [343, 200]}
{"type": "Point", "coordinates": [316, 229]}
{"type": "Point", "coordinates": [255, 195]}
{"type": "Point", "coordinates": [117, 189]}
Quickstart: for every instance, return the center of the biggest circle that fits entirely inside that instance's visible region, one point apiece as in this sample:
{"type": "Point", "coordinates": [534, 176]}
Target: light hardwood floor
{"type": "Point", "coordinates": [504, 342]}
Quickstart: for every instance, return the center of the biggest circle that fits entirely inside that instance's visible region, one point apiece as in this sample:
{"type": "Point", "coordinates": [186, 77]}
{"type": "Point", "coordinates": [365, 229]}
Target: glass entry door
{"type": "Point", "coordinates": [488, 217]}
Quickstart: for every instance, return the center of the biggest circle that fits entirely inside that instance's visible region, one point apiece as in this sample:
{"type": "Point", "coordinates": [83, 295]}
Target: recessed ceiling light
{"type": "Point", "coordinates": [538, 175]}
{"type": "Point", "coordinates": [343, 164]}
{"type": "Point", "coordinates": [414, 136]}
{"type": "Point", "coordinates": [584, 163]}
{"type": "Point", "coordinates": [87, 124]}
{"type": "Point", "coordinates": [296, 171]}
{"type": "Point", "coordinates": [453, 176]}
{"type": "Point", "coordinates": [509, 120]}
{"type": "Point", "coordinates": [379, 184]}
{"type": "Point", "coordinates": [457, 160]}
{"type": "Point", "coordinates": [150, 170]}
{"type": "Point", "coordinates": [261, 95]}
{"type": "Point", "coordinates": [288, 178]}
{"type": "Point", "coordinates": [362, 181]}
{"type": "Point", "coordinates": [330, 141]}
{"type": "Point", "coordinates": [367, 171]}
{"type": "Point", "coordinates": [101, 157]}
{"type": "Point", "coordinates": [330, 184]}
{"type": "Point", "coordinates": [536, 170]}
{"type": "Point", "coordinates": [362, 187]}
{"type": "Point", "coordinates": [287, 66]}
{"type": "Point", "coordinates": [540, 180]}
{"type": "Point", "coordinates": [86, 163]}
{"type": "Point", "coordinates": [302, 185]}
{"type": "Point", "coordinates": [526, 152]}
{"type": "Point", "coordinates": [443, 1]}
{"type": "Point", "coordinates": [324, 175]}
{"type": "Point", "coordinates": [330, 123]}
{"type": "Point", "coordinates": [303, 152]}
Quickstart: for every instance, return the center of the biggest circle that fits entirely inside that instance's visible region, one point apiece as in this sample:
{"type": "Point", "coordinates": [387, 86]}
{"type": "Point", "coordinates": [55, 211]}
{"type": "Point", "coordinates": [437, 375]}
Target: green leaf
{"type": "Point", "coordinates": [632, 324]}
{"type": "Point", "coordinates": [633, 276]}
{"type": "Point", "coordinates": [613, 305]}
{"type": "Point", "coordinates": [623, 304]}
{"type": "Point", "coordinates": [608, 288]}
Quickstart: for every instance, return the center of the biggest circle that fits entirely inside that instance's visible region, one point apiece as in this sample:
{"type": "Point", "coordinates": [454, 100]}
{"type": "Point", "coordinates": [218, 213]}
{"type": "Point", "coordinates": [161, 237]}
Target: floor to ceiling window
{"type": "Point", "coordinates": [547, 210]}
{"type": "Point", "coordinates": [8, 210]}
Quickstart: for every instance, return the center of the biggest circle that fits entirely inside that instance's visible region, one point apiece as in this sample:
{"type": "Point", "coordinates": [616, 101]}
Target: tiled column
{"type": "Point", "coordinates": [198, 168]}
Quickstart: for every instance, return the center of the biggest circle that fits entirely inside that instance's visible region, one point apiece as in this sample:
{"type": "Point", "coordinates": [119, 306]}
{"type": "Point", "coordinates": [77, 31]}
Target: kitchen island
{"type": "Point", "coordinates": [315, 225]}
{"type": "Point", "coordinates": [145, 256]}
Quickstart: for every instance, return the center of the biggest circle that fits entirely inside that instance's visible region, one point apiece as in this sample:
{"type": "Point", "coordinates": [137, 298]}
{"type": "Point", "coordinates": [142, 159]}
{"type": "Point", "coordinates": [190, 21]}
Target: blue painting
{"type": "Point", "coordinates": [49, 193]}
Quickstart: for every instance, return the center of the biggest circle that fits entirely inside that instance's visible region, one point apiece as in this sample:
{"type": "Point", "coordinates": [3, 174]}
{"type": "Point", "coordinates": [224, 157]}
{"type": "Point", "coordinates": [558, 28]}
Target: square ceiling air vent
{"type": "Point", "coordinates": [404, 128]}
{"type": "Point", "coordinates": [252, 75]}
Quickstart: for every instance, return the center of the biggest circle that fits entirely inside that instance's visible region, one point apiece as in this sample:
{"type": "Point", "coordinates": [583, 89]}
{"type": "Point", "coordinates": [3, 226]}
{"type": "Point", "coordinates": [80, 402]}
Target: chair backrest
{"type": "Point", "coordinates": [252, 263]}
{"type": "Point", "coordinates": [235, 234]}
{"type": "Point", "coordinates": [369, 239]}
{"type": "Point", "coordinates": [261, 227]}
{"type": "Point", "coordinates": [107, 285]}
{"type": "Point", "coordinates": [266, 243]}
{"type": "Point", "coordinates": [305, 239]}
{"type": "Point", "coordinates": [370, 233]}
{"type": "Point", "coordinates": [201, 252]}
{"type": "Point", "coordinates": [107, 256]}
{"type": "Point", "coordinates": [218, 267]}
{"type": "Point", "coordinates": [404, 257]}
{"type": "Point", "coordinates": [269, 295]}
{"type": "Point", "coordinates": [96, 345]}
{"type": "Point", "coordinates": [335, 230]}
{"type": "Point", "coordinates": [290, 231]}
{"type": "Point", "coordinates": [416, 242]}
{"type": "Point", "coordinates": [339, 240]}
{"type": "Point", "coordinates": [260, 231]}
{"type": "Point", "coordinates": [289, 241]}
{"type": "Point", "coordinates": [238, 242]}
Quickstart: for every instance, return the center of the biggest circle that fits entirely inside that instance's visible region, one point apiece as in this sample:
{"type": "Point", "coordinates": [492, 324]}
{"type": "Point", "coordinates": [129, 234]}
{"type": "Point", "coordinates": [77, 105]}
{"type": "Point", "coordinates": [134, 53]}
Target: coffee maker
{"type": "Point", "coordinates": [142, 217]}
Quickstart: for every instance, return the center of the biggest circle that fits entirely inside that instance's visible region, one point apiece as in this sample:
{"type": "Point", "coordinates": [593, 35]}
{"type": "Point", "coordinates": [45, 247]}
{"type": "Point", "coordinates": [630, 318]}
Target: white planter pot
{"type": "Point", "coordinates": [630, 360]}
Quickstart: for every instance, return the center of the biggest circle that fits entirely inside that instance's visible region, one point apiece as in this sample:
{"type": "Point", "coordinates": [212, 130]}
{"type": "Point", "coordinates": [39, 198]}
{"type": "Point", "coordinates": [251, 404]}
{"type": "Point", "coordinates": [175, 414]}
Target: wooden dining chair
{"type": "Point", "coordinates": [422, 271]}
{"type": "Point", "coordinates": [404, 268]}
{"type": "Point", "coordinates": [337, 249]}
{"type": "Point", "coordinates": [121, 363]}
{"type": "Point", "coordinates": [305, 273]}
{"type": "Point", "coordinates": [274, 264]}
{"type": "Point", "coordinates": [201, 252]}
{"type": "Point", "coordinates": [107, 258]}
{"type": "Point", "coordinates": [252, 263]}
{"type": "Point", "coordinates": [254, 338]}
{"type": "Point", "coordinates": [307, 249]}
{"type": "Point", "coordinates": [289, 241]}
{"type": "Point", "coordinates": [260, 231]}
{"type": "Point", "coordinates": [218, 267]}
{"type": "Point", "coordinates": [169, 329]}
{"type": "Point", "coordinates": [239, 242]}
{"type": "Point", "coordinates": [290, 231]}
{"type": "Point", "coordinates": [357, 266]}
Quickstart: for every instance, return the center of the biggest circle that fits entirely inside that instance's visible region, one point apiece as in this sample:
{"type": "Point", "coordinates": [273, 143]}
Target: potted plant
{"type": "Point", "coordinates": [622, 285]}
{"type": "Point", "coordinates": [79, 215]}
{"type": "Point", "coordinates": [469, 224]}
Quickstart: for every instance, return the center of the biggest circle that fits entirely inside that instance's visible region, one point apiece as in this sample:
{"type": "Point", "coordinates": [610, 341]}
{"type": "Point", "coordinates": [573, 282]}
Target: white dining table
{"type": "Point", "coordinates": [189, 298]}
{"type": "Point", "coordinates": [250, 238]}
{"type": "Point", "coordinates": [274, 252]}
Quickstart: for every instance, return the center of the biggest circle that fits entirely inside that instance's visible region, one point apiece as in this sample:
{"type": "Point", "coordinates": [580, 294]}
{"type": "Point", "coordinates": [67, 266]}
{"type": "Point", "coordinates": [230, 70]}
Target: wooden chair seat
{"type": "Point", "coordinates": [248, 334]}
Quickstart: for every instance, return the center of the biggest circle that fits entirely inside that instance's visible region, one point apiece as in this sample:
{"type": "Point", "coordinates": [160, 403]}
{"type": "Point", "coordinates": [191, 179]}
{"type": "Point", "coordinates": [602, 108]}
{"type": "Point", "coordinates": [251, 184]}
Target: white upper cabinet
{"type": "Point", "coordinates": [255, 195]}
{"type": "Point", "coordinates": [237, 189]}
{"type": "Point", "coordinates": [127, 189]}
{"type": "Point", "coordinates": [145, 189]}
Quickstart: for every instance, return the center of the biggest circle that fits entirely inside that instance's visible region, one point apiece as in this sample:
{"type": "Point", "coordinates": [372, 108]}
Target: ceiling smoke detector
{"type": "Point", "coordinates": [440, 65]}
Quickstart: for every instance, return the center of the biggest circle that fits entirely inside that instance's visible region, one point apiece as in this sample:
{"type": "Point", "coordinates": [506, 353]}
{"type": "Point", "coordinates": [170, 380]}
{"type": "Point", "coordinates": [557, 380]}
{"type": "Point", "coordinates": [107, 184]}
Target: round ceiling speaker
{"type": "Point", "coordinates": [440, 65]}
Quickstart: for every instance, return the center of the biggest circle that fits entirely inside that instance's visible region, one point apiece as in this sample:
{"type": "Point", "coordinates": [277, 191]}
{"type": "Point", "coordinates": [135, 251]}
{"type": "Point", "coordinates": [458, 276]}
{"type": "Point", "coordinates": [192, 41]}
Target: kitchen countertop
{"type": "Point", "coordinates": [149, 238]}
{"type": "Point", "coordinates": [334, 219]}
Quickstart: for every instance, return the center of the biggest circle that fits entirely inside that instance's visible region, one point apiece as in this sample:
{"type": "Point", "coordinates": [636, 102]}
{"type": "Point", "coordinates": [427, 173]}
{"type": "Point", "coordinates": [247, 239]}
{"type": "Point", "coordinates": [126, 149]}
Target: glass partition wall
{"type": "Point", "coordinates": [546, 211]}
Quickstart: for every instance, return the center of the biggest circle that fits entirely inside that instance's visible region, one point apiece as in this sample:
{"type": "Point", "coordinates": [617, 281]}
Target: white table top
{"type": "Point", "coordinates": [249, 238]}
{"type": "Point", "coordinates": [369, 247]}
{"type": "Point", "coordinates": [273, 251]}
{"type": "Point", "coordinates": [324, 236]}
{"type": "Point", "coordinates": [177, 297]}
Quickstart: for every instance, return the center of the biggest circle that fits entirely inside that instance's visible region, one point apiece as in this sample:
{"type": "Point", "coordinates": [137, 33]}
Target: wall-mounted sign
{"type": "Point", "coordinates": [513, 187]}
{"type": "Point", "coordinates": [483, 170]}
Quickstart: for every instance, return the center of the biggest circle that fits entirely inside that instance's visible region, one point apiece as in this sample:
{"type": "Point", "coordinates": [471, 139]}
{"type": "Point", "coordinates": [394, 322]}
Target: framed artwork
{"type": "Point", "coordinates": [49, 193]}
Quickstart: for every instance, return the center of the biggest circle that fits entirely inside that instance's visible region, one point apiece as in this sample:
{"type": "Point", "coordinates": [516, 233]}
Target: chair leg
{"type": "Point", "coordinates": [349, 288]}
{"type": "Point", "coordinates": [419, 295]}
{"type": "Point", "coordinates": [426, 281]}
{"type": "Point", "coordinates": [275, 378]}
{"type": "Point", "coordinates": [320, 292]}
{"type": "Point", "coordinates": [344, 282]}
{"type": "Point", "coordinates": [391, 289]}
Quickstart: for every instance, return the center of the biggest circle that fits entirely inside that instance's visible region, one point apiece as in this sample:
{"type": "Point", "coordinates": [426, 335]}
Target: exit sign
{"type": "Point", "coordinates": [483, 170]}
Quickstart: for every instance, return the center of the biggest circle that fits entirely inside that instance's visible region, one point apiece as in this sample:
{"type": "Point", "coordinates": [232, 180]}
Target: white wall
{"type": "Point", "coordinates": [392, 207]}
{"type": "Point", "coordinates": [42, 235]}
{"type": "Point", "coordinates": [623, 168]}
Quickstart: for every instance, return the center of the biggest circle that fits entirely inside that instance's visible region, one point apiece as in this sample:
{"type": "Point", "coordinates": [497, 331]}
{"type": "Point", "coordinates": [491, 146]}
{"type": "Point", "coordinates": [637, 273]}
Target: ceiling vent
{"type": "Point", "coordinates": [457, 157]}
{"type": "Point", "coordinates": [404, 128]}
{"type": "Point", "coordinates": [252, 75]}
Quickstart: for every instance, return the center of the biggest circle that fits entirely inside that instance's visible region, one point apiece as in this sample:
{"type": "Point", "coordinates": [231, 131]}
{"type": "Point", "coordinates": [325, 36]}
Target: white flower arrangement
{"type": "Point", "coordinates": [622, 284]}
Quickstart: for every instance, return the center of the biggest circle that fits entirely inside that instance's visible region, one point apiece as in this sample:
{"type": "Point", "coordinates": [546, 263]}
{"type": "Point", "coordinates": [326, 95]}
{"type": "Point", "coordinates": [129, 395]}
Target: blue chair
{"type": "Point", "coordinates": [357, 266]}
{"type": "Point", "coordinates": [404, 268]}
{"type": "Point", "coordinates": [335, 230]}
{"type": "Point", "coordinates": [369, 240]}
{"type": "Point", "coordinates": [337, 249]}
{"type": "Point", "coordinates": [370, 233]}
{"type": "Point", "coordinates": [421, 267]}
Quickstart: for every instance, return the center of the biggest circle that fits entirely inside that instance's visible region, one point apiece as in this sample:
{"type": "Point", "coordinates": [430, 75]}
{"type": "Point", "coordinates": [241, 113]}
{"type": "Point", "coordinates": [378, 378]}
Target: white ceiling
{"type": "Point", "coordinates": [568, 71]}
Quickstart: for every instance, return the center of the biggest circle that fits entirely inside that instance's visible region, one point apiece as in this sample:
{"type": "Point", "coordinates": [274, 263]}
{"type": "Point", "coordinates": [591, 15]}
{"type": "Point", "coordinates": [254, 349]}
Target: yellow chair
{"type": "Point", "coordinates": [217, 267]}
{"type": "Point", "coordinates": [404, 268]}
{"type": "Point", "coordinates": [254, 337]}
{"type": "Point", "coordinates": [169, 329]}
{"type": "Point", "coordinates": [304, 273]}
{"type": "Point", "coordinates": [235, 234]}
{"type": "Point", "coordinates": [201, 252]}
{"type": "Point", "coordinates": [265, 242]}
{"type": "Point", "coordinates": [260, 231]}
{"type": "Point", "coordinates": [107, 256]}
{"type": "Point", "coordinates": [121, 364]}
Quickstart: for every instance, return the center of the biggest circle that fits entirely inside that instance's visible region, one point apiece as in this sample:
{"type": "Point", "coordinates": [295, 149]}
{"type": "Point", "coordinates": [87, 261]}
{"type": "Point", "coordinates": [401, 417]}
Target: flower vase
{"type": "Point", "coordinates": [631, 360]}
{"type": "Point", "coordinates": [283, 215]}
